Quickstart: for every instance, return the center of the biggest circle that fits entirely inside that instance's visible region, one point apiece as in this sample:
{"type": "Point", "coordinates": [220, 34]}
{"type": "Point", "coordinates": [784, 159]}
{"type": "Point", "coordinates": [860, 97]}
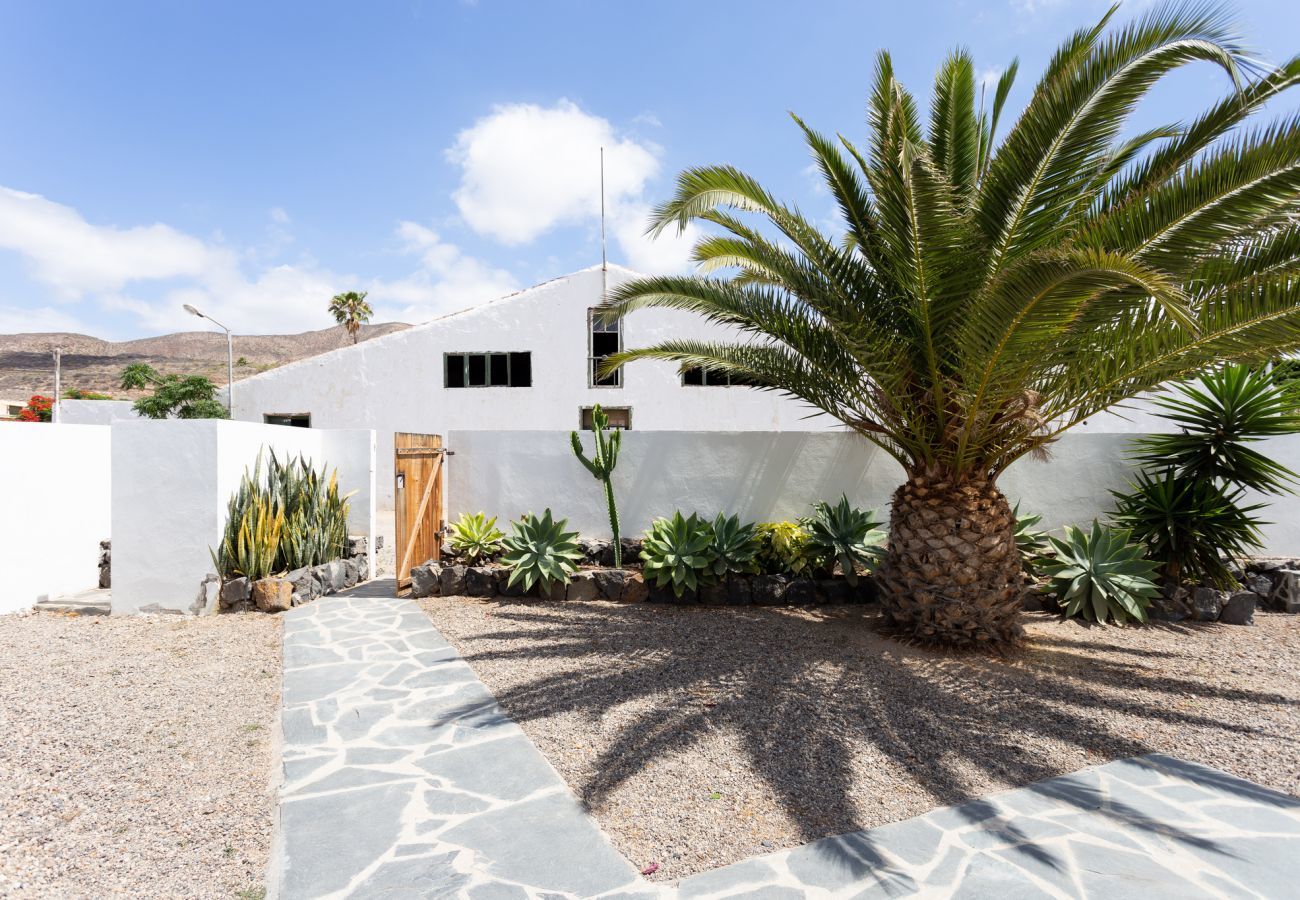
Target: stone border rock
{"type": "Point", "coordinates": [628, 586]}
{"type": "Point", "coordinates": [300, 586]}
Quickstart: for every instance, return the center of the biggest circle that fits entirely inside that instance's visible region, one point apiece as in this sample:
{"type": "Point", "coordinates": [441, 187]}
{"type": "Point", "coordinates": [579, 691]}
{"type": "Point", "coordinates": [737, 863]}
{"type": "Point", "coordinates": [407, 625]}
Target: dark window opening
{"type": "Point", "coordinates": [489, 370]}
{"type": "Point", "coordinates": [605, 337]}
{"type": "Point", "coordinates": [619, 417]}
{"type": "Point", "coordinates": [296, 420]}
{"type": "Point", "coordinates": [699, 376]}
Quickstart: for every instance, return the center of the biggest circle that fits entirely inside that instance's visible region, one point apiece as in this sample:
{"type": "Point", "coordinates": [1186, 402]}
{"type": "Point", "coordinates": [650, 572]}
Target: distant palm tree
{"type": "Point", "coordinates": [985, 295]}
{"type": "Point", "coordinates": [351, 310]}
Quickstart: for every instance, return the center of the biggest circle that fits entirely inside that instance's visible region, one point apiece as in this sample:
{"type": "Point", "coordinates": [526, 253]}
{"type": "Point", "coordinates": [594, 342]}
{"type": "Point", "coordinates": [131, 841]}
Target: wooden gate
{"type": "Point", "coordinates": [417, 501]}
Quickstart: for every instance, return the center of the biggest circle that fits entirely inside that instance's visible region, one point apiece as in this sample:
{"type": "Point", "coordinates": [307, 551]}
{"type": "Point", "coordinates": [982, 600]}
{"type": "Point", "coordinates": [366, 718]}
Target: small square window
{"type": "Point", "coordinates": [619, 417]}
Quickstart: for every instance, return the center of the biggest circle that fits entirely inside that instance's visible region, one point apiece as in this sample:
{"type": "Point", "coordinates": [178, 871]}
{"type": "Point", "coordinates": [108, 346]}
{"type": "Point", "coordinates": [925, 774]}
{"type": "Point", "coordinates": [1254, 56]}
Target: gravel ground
{"type": "Point", "coordinates": [702, 736]}
{"type": "Point", "coordinates": [135, 755]}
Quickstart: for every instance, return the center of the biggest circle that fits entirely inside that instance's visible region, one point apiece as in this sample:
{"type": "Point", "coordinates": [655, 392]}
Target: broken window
{"type": "Point", "coordinates": [489, 370]}
{"type": "Point", "coordinates": [605, 337]}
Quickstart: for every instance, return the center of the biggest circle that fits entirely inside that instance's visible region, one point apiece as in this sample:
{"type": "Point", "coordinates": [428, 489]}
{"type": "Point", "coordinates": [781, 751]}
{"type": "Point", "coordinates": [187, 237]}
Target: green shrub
{"type": "Point", "coordinates": [846, 535]}
{"type": "Point", "coordinates": [475, 537]}
{"type": "Point", "coordinates": [540, 552]}
{"type": "Point", "coordinates": [735, 546]}
{"type": "Point", "coordinates": [679, 552]}
{"type": "Point", "coordinates": [783, 548]}
{"type": "Point", "coordinates": [1100, 575]}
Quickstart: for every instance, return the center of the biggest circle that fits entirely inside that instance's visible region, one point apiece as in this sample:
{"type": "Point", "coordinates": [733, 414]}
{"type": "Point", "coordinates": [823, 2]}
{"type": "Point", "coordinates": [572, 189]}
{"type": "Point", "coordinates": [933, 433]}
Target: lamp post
{"type": "Point", "coordinates": [230, 359]}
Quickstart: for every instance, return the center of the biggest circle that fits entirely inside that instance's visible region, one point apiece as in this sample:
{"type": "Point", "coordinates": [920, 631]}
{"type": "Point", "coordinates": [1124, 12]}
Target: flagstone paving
{"type": "Point", "coordinates": [402, 777]}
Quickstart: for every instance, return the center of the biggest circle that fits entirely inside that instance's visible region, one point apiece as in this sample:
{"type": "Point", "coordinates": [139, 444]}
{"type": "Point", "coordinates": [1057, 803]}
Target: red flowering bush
{"type": "Point", "coordinates": [38, 409]}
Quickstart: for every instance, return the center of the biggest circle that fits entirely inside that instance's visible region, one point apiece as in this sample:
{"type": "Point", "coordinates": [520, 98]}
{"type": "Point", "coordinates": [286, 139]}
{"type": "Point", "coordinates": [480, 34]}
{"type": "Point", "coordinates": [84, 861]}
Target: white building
{"type": "Point", "coordinates": [522, 362]}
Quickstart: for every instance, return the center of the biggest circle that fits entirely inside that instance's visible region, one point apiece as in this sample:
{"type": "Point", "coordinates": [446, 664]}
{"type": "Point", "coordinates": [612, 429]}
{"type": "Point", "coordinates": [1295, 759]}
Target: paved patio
{"type": "Point", "coordinates": [404, 778]}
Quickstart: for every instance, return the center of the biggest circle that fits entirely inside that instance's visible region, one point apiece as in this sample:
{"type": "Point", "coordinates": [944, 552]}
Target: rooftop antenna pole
{"type": "Point", "coordinates": [604, 266]}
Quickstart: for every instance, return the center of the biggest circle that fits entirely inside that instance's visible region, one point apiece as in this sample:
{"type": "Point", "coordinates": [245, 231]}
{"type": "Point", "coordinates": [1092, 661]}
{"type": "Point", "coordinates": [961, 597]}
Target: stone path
{"type": "Point", "coordinates": [404, 778]}
{"type": "Point", "coordinates": [90, 602]}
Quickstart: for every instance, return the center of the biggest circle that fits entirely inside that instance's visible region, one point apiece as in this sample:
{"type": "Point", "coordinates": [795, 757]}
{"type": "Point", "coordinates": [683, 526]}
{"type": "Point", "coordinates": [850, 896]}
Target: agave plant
{"type": "Point", "coordinates": [679, 552]}
{"type": "Point", "coordinates": [1100, 575]}
{"type": "Point", "coordinates": [987, 288]}
{"type": "Point", "coordinates": [540, 552]}
{"type": "Point", "coordinates": [476, 537]}
{"type": "Point", "coordinates": [735, 546]}
{"type": "Point", "coordinates": [1031, 542]}
{"type": "Point", "coordinates": [846, 535]}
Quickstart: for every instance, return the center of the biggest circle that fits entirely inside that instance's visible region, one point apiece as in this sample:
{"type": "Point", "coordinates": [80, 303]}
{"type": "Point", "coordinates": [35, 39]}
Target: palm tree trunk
{"type": "Point", "coordinates": [953, 574]}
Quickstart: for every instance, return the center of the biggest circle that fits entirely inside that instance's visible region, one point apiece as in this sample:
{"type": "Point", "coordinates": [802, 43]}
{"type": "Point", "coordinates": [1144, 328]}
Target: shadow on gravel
{"type": "Point", "coordinates": [803, 688]}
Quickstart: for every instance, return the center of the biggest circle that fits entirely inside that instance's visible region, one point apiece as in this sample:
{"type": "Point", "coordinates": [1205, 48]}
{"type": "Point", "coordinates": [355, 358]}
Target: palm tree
{"type": "Point", "coordinates": [985, 294]}
{"type": "Point", "coordinates": [350, 310]}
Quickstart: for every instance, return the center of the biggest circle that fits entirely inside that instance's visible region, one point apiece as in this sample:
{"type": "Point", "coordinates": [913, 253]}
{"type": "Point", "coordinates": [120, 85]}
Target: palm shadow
{"type": "Point", "coordinates": [803, 690]}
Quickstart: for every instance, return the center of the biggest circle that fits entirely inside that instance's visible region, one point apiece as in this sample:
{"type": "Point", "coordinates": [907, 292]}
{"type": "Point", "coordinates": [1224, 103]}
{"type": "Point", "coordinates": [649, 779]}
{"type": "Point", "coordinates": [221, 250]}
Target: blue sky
{"type": "Point", "coordinates": [254, 158]}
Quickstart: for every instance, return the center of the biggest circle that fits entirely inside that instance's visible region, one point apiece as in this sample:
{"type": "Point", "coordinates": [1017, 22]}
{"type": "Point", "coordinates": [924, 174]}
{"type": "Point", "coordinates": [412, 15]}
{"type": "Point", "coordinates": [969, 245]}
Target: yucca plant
{"type": "Point", "coordinates": [844, 534]}
{"type": "Point", "coordinates": [1188, 506]}
{"type": "Point", "coordinates": [735, 546]}
{"type": "Point", "coordinates": [476, 537]}
{"type": "Point", "coordinates": [539, 552]}
{"type": "Point", "coordinates": [985, 291]}
{"type": "Point", "coordinates": [679, 552]}
{"type": "Point", "coordinates": [1099, 575]}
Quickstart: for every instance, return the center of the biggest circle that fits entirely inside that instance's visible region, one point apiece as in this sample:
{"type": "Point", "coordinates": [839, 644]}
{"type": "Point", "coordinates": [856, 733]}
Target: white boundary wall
{"type": "Point", "coordinates": [54, 510]}
{"type": "Point", "coordinates": [772, 476]}
{"type": "Point", "coordinates": [96, 412]}
{"type": "Point", "coordinates": [173, 480]}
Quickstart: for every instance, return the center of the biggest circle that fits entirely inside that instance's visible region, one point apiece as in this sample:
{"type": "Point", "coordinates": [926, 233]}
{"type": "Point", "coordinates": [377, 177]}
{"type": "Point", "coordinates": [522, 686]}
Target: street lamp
{"type": "Point", "coordinates": [230, 358]}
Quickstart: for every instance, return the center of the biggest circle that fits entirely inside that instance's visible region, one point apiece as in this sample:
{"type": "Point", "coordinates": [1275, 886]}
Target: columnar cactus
{"type": "Point", "coordinates": [601, 466]}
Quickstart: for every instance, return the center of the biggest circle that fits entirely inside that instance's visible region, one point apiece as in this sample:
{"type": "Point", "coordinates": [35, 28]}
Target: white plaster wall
{"type": "Point", "coordinates": [395, 383]}
{"type": "Point", "coordinates": [765, 477]}
{"type": "Point", "coordinates": [54, 510]}
{"type": "Point", "coordinates": [96, 412]}
{"type": "Point", "coordinates": [173, 481]}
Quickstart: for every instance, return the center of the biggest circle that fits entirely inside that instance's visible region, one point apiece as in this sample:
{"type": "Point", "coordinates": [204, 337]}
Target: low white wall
{"type": "Point", "coordinates": [96, 412]}
{"type": "Point", "coordinates": [54, 510]}
{"type": "Point", "coordinates": [172, 482]}
{"type": "Point", "coordinates": [766, 477]}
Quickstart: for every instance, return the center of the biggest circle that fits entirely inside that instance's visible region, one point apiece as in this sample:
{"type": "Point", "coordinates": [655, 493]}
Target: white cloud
{"type": "Point", "coordinates": [446, 281]}
{"type": "Point", "coordinates": [146, 273]}
{"type": "Point", "coordinates": [526, 169]}
{"type": "Point", "coordinates": [45, 318]}
{"type": "Point", "coordinates": [75, 257]}
{"type": "Point", "coordinates": [670, 251]}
